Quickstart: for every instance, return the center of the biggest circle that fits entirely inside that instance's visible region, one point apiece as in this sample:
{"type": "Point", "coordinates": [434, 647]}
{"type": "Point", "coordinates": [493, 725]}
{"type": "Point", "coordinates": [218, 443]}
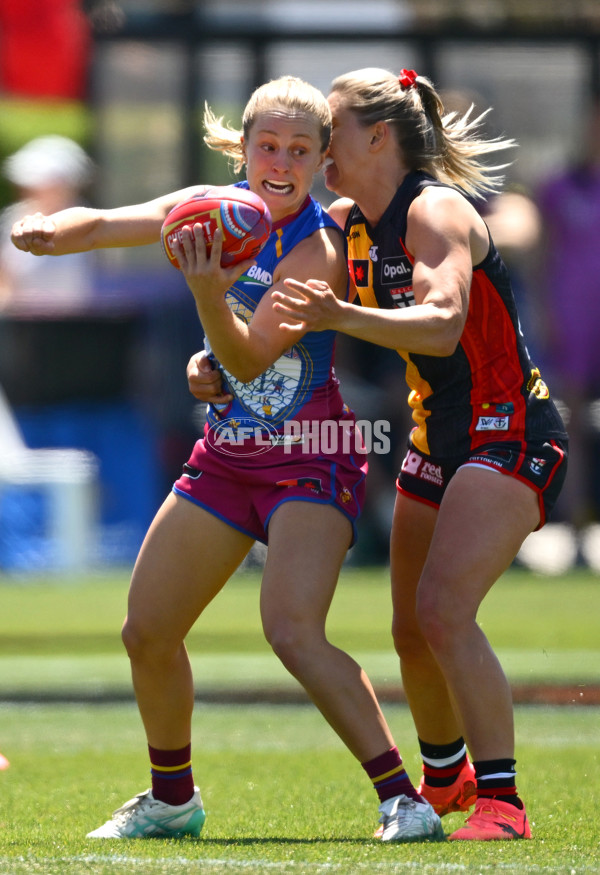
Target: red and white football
{"type": "Point", "coordinates": [242, 216]}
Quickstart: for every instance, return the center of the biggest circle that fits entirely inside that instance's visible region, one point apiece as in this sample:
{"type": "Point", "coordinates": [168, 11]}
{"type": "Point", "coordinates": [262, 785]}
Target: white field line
{"type": "Point", "coordinates": [21, 865]}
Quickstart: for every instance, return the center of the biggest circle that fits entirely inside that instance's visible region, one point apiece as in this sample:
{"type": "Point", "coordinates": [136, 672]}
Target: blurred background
{"type": "Point", "coordinates": [101, 103]}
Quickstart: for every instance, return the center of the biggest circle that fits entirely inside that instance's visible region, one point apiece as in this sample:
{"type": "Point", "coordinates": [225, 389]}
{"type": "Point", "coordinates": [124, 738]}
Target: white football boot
{"type": "Point", "coordinates": [147, 817]}
{"type": "Point", "coordinates": [406, 820]}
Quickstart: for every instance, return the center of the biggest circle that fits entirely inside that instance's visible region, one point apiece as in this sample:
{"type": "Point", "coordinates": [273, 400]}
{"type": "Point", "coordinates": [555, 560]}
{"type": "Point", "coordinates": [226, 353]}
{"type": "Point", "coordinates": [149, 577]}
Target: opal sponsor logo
{"type": "Point", "coordinates": [394, 270]}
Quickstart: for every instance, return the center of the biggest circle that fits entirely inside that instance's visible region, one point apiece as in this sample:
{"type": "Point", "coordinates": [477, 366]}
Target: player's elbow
{"type": "Point", "coordinates": [246, 375]}
{"type": "Point", "coordinates": [448, 329]}
{"type": "Point", "coordinates": [257, 357]}
{"type": "Point", "coordinates": [248, 370]}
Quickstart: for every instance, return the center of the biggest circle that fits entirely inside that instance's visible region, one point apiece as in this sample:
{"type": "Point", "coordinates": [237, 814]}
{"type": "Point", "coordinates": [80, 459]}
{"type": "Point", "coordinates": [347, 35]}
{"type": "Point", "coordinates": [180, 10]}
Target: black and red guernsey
{"type": "Point", "coordinates": [488, 390]}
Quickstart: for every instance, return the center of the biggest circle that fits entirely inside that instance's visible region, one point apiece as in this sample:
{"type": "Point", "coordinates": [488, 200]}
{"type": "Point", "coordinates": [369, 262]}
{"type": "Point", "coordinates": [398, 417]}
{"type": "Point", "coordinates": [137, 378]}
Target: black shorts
{"type": "Point", "coordinates": [540, 465]}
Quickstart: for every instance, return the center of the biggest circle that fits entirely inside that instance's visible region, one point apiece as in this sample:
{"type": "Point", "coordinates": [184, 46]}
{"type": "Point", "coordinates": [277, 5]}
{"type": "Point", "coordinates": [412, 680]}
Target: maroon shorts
{"type": "Point", "coordinates": [541, 466]}
{"type": "Point", "coordinates": [245, 491]}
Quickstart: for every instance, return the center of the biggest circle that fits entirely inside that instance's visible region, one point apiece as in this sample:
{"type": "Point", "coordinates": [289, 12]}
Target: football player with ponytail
{"type": "Point", "coordinates": [487, 455]}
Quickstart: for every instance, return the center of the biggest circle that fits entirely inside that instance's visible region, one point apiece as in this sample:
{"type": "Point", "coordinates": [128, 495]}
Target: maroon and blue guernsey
{"type": "Point", "coordinates": [301, 384]}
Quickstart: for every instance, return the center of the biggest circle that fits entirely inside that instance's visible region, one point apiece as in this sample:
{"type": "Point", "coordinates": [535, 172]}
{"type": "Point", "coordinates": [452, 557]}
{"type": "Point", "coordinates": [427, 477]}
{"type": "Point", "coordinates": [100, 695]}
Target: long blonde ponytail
{"type": "Point", "coordinates": [446, 145]}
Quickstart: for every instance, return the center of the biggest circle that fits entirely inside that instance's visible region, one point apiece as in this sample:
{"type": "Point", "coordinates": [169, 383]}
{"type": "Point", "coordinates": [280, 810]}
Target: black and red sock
{"type": "Point", "coordinates": [442, 763]}
{"type": "Point", "coordinates": [496, 779]}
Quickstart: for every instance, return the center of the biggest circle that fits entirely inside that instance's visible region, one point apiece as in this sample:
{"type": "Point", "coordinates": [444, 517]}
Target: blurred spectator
{"type": "Point", "coordinates": [569, 203]}
{"type": "Point", "coordinates": [49, 174]}
{"type": "Point", "coordinates": [45, 343]}
{"type": "Point", "coordinates": [93, 355]}
{"type": "Point", "coordinates": [514, 222]}
{"type": "Point", "coordinates": [515, 225]}
{"type": "Point", "coordinates": [67, 347]}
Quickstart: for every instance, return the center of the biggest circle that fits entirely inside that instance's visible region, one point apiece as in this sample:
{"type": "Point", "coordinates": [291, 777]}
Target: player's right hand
{"type": "Point", "coordinates": [34, 234]}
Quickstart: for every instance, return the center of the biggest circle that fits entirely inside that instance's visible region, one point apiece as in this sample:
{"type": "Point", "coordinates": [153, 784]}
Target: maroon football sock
{"type": "Point", "coordinates": [172, 778]}
{"type": "Point", "coordinates": [389, 776]}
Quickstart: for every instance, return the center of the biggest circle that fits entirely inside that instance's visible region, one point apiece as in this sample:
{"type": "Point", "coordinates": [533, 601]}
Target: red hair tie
{"type": "Point", "coordinates": [407, 78]}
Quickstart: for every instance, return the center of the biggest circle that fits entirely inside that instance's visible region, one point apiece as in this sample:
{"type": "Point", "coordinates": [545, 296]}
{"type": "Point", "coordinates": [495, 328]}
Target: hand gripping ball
{"type": "Point", "coordinates": [242, 216]}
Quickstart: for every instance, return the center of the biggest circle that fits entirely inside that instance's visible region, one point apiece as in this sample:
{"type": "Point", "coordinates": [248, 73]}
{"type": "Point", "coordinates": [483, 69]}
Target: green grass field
{"type": "Point", "coordinates": [60, 636]}
{"type": "Point", "coordinates": [281, 792]}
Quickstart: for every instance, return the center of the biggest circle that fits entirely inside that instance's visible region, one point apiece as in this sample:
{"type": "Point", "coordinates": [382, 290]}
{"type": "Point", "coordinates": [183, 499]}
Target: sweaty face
{"type": "Point", "coordinates": [348, 150]}
{"type": "Point", "coordinates": [283, 153]}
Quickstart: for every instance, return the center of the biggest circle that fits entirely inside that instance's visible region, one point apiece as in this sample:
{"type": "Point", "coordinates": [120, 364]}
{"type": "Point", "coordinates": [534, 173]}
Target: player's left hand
{"type": "Point", "coordinates": [204, 382]}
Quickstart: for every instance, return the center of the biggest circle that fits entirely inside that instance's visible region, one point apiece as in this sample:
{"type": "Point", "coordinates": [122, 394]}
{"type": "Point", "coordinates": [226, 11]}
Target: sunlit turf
{"type": "Point", "coordinates": [282, 795]}
{"type": "Point", "coordinates": [65, 634]}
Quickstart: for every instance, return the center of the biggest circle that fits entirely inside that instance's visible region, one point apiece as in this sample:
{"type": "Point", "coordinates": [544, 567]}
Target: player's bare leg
{"type": "Point", "coordinates": [187, 557]}
{"type": "Point", "coordinates": [298, 585]}
{"type": "Point", "coordinates": [422, 680]}
{"type": "Point", "coordinates": [307, 545]}
{"type": "Point", "coordinates": [483, 519]}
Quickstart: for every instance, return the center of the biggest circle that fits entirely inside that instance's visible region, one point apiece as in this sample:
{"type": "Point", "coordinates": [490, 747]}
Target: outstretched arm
{"type": "Point", "coordinates": [79, 229]}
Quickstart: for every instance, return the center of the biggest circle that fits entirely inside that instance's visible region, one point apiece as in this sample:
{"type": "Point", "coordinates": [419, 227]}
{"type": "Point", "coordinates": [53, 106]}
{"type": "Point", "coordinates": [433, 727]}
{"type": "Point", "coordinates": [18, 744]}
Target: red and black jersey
{"type": "Point", "coordinates": [488, 389]}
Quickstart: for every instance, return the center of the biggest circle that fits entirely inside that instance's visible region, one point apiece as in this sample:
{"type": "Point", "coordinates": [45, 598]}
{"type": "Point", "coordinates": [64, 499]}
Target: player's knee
{"type": "Point", "coordinates": [407, 637]}
{"type": "Point", "coordinates": [132, 638]}
{"type": "Point", "coordinates": [141, 642]}
{"type": "Point", "coordinates": [290, 641]}
{"type": "Point", "coordinates": [438, 621]}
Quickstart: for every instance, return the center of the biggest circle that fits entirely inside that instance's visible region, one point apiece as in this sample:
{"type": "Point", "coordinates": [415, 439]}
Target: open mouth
{"type": "Point", "coordinates": [278, 187]}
